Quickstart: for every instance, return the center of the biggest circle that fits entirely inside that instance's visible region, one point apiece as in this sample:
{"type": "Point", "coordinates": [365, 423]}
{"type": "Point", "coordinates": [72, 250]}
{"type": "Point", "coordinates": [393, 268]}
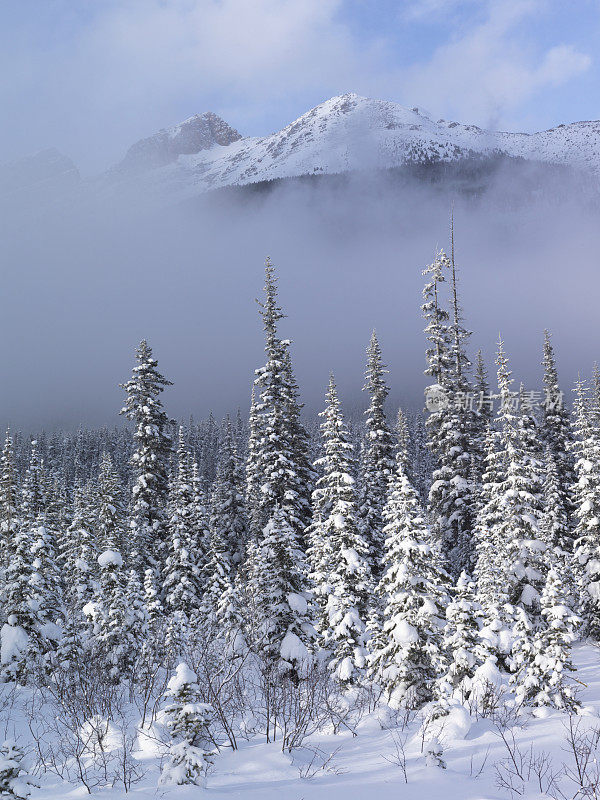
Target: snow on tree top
{"type": "Point", "coordinates": [183, 675]}
{"type": "Point", "coordinates": [405, 633]}
{"type": "Point", "coordinates": [110, 558]}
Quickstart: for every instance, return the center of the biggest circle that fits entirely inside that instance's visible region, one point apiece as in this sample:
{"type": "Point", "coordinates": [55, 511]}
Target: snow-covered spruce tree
{"type": "Point", "coordinates": [300, 439]}
{"type": "Point", "coordinates": [115, 636]}
{"type": "Point", "coordinates": [449, 423]}
{"type": "Point", "coordinates": [422, 460]}
{"type": "Point", "coordinates": [200, 520]}
{"type": "Point", "coordinates": [221, 602]}
{"type": "Point", "coordinates": [587, 512]}
{"type": "Point", "coordinates": [556, 531]}
{"type": "Point", "coordinates": [152, 600]}
{"type": "Point", "coordinates": [110, 512]}
{"type": "Point", "coordinates": [57, 512]}
{"type": "Point", "coordinates": [280, 459]}
{"type": "Point", "coordinates": [137, 627]}
{"type": "Point", "coordinates": [557, 438]}
{"type": "Point", "coordinates": [338, 553]}
{"type": "Point", "coordinates": [407, 655]}
{"type": "Point", "coordinates": [252, 498]}
{"type": "Point", "coordinates": [521, 498]}
{"type": "Point", "coordinates": [461, 642]}
{"type": "Point", "coordinates": [378, 456]}
{"type": "Point", "coordinates": [282, 631]}
{"type": "Point", "coordinates": [188, 721]}
{"type": "Point", "coordinates": [182, 579]}
{"type": "Point", "coordinates": [227, 513]}
{"type": "Point", "coordinates": [482, 420]}
{"type": "Point", "coordinates": [45, 590]}
{"type": "Point", "coordinates": [403, 445]}
{"type": "Point", "coordinates": [492, 555]}
{"type": "Point", "coordinates": [19, 632]}
{"type": "Point", "coordinates": [31, 591]}
{"type": "Point", "coordinates": [77, 556]}
{"type": "Point", "coordinates": [544, 678]}
{"type": "Point", "coordinates": [8, 501]}
{"type": "Point", "coordinates": [149, 462]}
{"type": "Point", "coordinates": [32, 490]}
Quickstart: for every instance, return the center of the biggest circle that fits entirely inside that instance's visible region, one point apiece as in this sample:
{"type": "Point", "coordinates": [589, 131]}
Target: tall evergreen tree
{"type": "Point", "coordinates": [280, 460]}
{"type": "Point", "coordinates": [492, 555]}
{"type": "Point", "coordinates": [449, 423]}
{"type": "Point", "coordinates": [221, 600]}
{"type": "Point", "coordinates": [277, 587]}
{"type": "Point", "coordinates": [482, 419]}
{"type": "Point", "coordinates": [110, 511]}
{"type": "Point", "coordinates": [378, 456]}
{"type": "Point", "coordinates": [587, 511]}
{"type": "Point", "coordinates": [20, 630]}
{"type": "Point", "coordinates": [338, 552]}
{"type": "Point", "coordinates": [150, 458]}
{"type": "Point", "coordinates": [253, 479]}
{"type": "Point", "coordinates": [227, 499]}
{"type": "Point", "coordinates": [32, 490]}
{"type": "Point", "coordinates": [182, 579]}
{"type": "Point", "coordinates": [521, 497]}
{"type": "Point", "coordinates": [557, 438]}
{"type": "Point", "coordinates": [407, 653]}
{"type": "Point", "coordinates": [8, 500]}
{"type": "Point", "coordinates": [461, 642]}
{"type": "Point", "coordinates": [543, 678]}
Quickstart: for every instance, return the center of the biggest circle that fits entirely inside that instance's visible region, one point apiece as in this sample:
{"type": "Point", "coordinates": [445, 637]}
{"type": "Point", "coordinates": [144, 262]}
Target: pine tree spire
{"type": "Point", "coordinates": [557, 439]}
{"type": "Point", "coordinates": [150, 458]}
{"type": "Point", "coordinates": [378, 456]}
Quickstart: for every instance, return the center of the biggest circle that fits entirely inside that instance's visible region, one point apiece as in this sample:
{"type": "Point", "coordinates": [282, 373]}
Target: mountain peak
{"type": "Point", "coordinates": [197, 133]}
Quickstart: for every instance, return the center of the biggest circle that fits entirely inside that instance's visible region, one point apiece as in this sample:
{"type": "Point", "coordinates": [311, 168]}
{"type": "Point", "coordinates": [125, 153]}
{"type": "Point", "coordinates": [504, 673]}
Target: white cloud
{"type": "Point", "coordinates": [489, 71]}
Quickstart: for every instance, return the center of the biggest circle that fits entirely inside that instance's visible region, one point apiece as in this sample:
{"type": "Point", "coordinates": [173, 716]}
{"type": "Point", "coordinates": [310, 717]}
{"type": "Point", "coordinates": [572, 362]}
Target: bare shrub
{"type": "Point", "coordinates": [398, 756]}
{"type": "Point", "coordinates": [81, 730]}
{"type": "Point", "coordinates": [525, 771]}
{"type": "Point", "coordinates": [582, 770]}
{"type": "Point", "coordinates": [316, 761]}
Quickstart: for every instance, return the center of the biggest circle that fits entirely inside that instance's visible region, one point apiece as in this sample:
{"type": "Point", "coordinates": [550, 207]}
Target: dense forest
{"type": "Point", "coordinates": [274, 576]}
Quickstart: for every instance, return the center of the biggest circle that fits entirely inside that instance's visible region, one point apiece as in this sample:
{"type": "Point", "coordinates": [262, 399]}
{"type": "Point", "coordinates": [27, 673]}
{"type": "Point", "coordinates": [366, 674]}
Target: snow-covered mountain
{"type": "Point", "coordinates": [350, 132]}
{"type": "Point", "coordinates": [344, 134]}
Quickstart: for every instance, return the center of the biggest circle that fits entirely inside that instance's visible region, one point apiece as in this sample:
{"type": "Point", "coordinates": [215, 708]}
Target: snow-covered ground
{"type": "Point", "coordinates": [366, 765]}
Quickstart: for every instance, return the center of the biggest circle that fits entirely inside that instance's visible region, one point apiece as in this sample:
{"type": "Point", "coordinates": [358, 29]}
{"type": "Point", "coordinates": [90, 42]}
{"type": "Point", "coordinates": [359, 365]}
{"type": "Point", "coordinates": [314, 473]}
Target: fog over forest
{"type": "Point", "coordinates": [88, 274]}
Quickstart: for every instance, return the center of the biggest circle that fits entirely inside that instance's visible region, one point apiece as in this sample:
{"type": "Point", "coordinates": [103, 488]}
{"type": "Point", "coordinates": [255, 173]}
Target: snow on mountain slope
{"type": "Point", "coordinates": [350, 132]}
{"type": "Point", "coordinates": [344, 134]}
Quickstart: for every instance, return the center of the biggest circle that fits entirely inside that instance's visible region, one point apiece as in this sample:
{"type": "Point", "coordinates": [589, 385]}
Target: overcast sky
{"type": "Point", "coordinates": [92, 76]}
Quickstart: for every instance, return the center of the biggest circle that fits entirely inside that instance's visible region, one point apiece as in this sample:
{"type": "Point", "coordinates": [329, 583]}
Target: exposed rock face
{"type": "Point", "coordinates": [200, 132]}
